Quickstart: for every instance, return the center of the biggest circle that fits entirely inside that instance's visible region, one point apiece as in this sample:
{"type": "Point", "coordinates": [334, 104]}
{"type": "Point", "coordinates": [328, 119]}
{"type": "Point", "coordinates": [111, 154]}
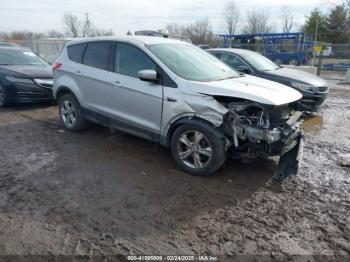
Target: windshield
{"type": "Point", "coordinates": [20, 57]}
{"type": "Point", "coordinates": [260, 62]}
{"type": "Point", "coordinates": [191, 62]}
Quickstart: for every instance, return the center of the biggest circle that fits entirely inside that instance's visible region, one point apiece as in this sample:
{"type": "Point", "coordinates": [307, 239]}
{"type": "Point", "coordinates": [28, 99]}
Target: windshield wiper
{"type": "Point", "coordinates": [230, 77]}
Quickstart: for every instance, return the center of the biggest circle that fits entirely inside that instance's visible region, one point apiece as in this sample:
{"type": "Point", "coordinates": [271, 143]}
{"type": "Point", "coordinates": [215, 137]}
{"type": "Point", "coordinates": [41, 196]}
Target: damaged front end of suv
{"type": "Point", "coordinates": [257, 130]}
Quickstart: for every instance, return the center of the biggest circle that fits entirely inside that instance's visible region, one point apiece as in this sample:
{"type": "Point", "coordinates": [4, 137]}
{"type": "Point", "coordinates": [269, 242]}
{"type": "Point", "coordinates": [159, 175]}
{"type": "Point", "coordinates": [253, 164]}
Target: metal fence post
{"type": "Point", "coordinates": [320, 62]}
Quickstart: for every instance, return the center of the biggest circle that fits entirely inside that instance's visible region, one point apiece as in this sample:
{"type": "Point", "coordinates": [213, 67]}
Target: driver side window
{"type": "Point", "coordinates": [130, 60]}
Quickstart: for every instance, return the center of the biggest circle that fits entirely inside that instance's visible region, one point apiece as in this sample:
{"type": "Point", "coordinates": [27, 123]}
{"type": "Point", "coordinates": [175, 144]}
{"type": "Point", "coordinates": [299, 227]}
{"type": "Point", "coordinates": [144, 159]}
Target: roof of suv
{"type": "Point", "coordinates": [147, 40]}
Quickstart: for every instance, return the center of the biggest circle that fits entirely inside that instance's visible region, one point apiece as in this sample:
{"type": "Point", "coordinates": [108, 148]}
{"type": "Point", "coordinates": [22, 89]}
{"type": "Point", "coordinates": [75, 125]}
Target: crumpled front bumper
{"type": "Point", "coordinates": [290, 159]}
{"type": "Point", "coordinates": [286, 142]}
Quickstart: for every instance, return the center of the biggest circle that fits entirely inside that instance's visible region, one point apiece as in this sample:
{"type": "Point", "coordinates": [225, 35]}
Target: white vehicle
{"type": "Point", "coordinates": [178, 95]}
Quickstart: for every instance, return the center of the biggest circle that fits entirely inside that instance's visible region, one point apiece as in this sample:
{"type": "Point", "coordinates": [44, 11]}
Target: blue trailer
{"type": "Point", "coordinates": [282, 48]}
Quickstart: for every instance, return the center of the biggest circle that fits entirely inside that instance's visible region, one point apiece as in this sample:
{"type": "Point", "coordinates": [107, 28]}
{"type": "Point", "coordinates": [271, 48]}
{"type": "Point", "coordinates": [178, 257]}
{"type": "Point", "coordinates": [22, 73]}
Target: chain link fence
{"type": "Point", "coordinates": [334, 56]}
{"type": "Point", "coordinates": [48, 49]}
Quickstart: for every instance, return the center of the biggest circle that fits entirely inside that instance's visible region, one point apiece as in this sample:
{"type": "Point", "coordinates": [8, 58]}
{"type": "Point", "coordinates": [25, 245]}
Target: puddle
{"type": "Point", "coordinates": [313, 123]}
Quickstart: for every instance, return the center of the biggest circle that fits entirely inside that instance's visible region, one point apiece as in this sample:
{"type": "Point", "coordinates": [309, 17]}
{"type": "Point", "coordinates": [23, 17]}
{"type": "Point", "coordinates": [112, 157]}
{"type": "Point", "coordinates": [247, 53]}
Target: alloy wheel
{"type": "Point", "coordinates": [194, 149]}
{"type": "Point", "coordinates": [68, 113]}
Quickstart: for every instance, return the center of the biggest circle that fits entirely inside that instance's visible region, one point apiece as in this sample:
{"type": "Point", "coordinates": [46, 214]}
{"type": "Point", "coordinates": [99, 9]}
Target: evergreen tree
{"type": "Point", "coordinates": [310, 25]}
{"type": "Point", "coordinates": [337, 31]}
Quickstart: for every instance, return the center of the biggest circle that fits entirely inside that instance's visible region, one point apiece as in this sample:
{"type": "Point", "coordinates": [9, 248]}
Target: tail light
{"type": "Point", "coordinates": [56, 66]}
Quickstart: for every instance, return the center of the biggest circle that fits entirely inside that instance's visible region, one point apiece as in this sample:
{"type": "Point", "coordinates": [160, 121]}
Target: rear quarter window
{"type": "Point", "coordinates": [75, 52]}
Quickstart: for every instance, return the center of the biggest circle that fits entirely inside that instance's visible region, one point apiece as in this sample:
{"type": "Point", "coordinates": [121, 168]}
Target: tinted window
{"type": "Point", "coordinates": [129, 60]}
{"type": "Point", "coordinates": [75, 52]}
{"type": "Point", "coordinates": [260, 62]}
{"type": "Point", "coordinates": [231, 60]}
{"type": "Point", "coordinates": [97, 55]}
{"type": "Point", "coordinates": [218, 55]}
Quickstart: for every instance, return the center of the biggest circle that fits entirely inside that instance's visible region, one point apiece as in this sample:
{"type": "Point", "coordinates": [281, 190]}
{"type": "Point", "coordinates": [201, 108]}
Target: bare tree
{"type": "Point", "coordinates": [87, 28]}
{"type": "Point", "coordinates": [199, 32]}
{"type": "Point", "coordinates": [231, 17]}
{"type": "Point", "coordinates": [287, 19]}
{"type": "Point", "coordinates": [102, 32]}
{"type": "Point", "coordinates": [257, 22]}
{"type": "Point", "coordinates": [54, 34]}
{"type": "Point", "coordinates": [72, 24]}
{"type": "Point", "coordinates": [173, 29]}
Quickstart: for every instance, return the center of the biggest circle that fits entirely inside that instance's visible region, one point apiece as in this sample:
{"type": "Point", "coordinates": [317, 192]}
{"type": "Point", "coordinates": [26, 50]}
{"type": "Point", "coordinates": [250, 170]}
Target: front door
{"type": "Point", "coordinates": [136, 102]}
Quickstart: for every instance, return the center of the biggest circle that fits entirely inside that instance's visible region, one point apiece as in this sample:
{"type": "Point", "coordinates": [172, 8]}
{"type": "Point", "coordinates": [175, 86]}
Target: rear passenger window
{"type": "Point", "coordinates": [75, 52]}
{"type": "Point", "coordinates": [97, 55]}
{"type": "Point", "coordinates": [130, 60]}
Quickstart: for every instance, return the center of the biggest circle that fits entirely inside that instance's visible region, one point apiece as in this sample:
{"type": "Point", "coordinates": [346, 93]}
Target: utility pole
{"type": "Point", "coordinates": [315, 40]}
{"type": "Point", "coordinates": [314, 53]}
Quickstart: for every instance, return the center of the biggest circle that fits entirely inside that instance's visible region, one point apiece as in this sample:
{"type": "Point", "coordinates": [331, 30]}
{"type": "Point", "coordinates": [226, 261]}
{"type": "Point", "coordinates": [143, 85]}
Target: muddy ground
{"type": "Point", "coordinates": [95, 193]}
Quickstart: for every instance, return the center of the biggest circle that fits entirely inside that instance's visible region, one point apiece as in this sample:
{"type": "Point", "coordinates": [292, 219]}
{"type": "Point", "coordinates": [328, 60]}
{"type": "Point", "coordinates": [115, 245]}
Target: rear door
{"type": "Point", "coordinates": [96, 77]}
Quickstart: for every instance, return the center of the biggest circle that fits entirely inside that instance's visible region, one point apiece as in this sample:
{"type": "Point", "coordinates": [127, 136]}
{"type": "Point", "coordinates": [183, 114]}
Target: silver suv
{"type": "Point", "coordinates": [176, 94]}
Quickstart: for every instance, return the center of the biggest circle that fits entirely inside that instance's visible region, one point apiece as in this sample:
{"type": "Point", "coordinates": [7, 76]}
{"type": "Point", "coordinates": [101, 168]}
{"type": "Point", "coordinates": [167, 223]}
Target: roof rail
{"type": "Point", "coordinates": [159, 34]}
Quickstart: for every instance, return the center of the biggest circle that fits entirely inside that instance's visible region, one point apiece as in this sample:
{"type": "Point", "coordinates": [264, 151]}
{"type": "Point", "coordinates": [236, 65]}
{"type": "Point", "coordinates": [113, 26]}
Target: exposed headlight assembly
{"type": "Point", "coordinates": [19, 80]}
{"type": "Point", "coordinates": [304, 87]}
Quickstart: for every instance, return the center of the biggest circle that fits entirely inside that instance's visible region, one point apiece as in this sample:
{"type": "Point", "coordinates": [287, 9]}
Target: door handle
{"type": "Point", "coordinates": [169, 99]}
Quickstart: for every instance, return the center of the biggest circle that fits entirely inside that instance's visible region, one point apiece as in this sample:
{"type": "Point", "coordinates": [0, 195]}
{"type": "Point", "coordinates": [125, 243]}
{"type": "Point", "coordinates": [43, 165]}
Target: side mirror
{"type": "Point", "coordinates": [147, 75]}
{"type": "Point", "coordinates": [244, 69]}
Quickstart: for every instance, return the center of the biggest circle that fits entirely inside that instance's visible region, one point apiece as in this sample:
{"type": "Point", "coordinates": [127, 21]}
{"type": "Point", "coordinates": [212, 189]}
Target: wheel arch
{"type": "Point", "coordinates": [188, 119]}
{"type": "Point", "coordinates": [63, 90]}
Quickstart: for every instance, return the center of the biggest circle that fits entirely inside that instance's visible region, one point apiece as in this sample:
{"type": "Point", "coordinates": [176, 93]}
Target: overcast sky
{"type": "Point", "coordinates": [124, 15]}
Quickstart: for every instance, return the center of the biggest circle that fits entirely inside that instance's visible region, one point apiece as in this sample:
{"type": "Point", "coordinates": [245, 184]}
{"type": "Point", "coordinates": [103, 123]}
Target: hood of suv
{"type": "Point", "coordinates": [29, 71]}
{"type": "Point", "coordinates": [298, 76]}
{"type": "Point", "coordinates": [250, 88]}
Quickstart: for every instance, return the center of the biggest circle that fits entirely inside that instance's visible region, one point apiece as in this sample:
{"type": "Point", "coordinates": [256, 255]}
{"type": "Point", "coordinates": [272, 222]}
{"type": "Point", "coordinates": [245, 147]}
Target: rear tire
{"type": "Point", "coordinates": [198, 148]}
{"type": "Point", "coordinates": [71, 113]}
{"type": "Point", "coordinates": [4, 97]}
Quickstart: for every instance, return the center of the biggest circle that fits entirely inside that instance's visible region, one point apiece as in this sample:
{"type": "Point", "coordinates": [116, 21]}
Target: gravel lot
{"type": "Point", "coordinates": [96, 193]}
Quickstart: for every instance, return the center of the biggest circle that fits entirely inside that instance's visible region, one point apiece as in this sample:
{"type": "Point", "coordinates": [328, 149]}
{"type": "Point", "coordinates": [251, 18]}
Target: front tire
{"type": "Point", "coordinates": [198, 148]}
{"type": "Point", "coordinates": [70, 113]}
{"type": "Point", "coordinates": [278, 61]}
{"type": "Point", "coordinates": [293, 61]}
